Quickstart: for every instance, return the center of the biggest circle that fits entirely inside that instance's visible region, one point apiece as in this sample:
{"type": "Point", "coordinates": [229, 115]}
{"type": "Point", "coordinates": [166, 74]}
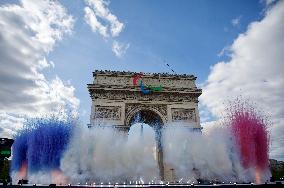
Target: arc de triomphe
{"type": "Point", "coordinates": [117, 97]}
{"type": "Point", "coordinates": [159, 99]}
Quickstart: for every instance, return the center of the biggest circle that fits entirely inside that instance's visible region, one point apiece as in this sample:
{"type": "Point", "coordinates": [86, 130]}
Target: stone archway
{"type": "Point", "coordinates": [154, 119]}
{"type": "Point", "coordinates": [148, 115]}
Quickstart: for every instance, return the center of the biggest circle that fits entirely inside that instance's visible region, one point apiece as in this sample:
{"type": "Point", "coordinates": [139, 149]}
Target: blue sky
{"type": "Point", "coordinates": [188, 35]}
{"type": "Point", "coordinates": [48, 50]}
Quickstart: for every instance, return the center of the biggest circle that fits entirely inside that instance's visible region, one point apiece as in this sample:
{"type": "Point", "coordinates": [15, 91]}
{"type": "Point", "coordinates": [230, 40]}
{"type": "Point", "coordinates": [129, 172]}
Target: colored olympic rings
{"type": "Point", "coordinates": [145, 89]}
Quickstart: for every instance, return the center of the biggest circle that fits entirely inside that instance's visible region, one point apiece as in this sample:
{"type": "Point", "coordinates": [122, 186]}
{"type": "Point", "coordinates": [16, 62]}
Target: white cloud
{"type": "Point", "coordinates": [224, 51]}
{"type": "Point", "coordinates": [101, 20]}
{"type": "Point", "coordinates": [119, 49]}
{"type": "Point", "coordinates": [9, 124]}
{"type": "Point", "coordinates": [42, 64]}
{"type": "Point", "coordinates": [236, 21]}
{"type": "Point", "coordinates": [255, 71]}
{"type": "Point", "coordinates": [28, 32]}
{"type": "Point", "coordinates": [98, 8]}
{"type": "Point", "coordinates": [269, 2]}
{"type": "Point", "coordinates": [91, 19]}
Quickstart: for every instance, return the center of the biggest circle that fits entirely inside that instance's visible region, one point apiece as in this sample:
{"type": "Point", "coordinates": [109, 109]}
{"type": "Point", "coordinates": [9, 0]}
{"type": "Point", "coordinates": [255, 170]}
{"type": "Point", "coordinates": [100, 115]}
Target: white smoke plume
{"type": "Point", "coordinates": [106, 155]}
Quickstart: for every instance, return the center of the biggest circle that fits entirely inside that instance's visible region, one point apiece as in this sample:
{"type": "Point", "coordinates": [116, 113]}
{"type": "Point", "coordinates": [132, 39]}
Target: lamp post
{"type": "Point", "coordinates": [172, 170]}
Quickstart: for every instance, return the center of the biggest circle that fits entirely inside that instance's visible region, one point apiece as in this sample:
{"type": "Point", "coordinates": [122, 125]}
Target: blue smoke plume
{"type": "Point", "coordinates": [41, 144]}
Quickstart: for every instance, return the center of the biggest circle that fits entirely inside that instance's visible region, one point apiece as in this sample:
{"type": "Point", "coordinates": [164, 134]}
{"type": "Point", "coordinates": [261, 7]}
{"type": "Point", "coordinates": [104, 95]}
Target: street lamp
{"type": "Point", "coordinates": [172, 170]}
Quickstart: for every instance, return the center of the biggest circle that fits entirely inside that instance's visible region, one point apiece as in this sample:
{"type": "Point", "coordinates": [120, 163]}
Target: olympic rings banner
{"type": "Point", "coordinates": [145, 89]}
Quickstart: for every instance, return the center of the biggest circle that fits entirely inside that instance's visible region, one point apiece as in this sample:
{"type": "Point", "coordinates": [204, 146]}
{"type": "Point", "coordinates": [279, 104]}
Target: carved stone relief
{"type": "Point", "coordinates": [181, 114]}
{"type": "Point", "coordinates": [162, 109]}
{"type": "Point", "coordinates": [127, 95]}
{"type": "Point", "coordinates": [108, 112]}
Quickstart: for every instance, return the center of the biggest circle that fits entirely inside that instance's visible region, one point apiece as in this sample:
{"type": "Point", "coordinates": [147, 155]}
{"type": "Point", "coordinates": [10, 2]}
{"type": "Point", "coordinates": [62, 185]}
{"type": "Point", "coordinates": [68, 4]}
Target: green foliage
{"type": "Point", "coordinates": [277, 173]}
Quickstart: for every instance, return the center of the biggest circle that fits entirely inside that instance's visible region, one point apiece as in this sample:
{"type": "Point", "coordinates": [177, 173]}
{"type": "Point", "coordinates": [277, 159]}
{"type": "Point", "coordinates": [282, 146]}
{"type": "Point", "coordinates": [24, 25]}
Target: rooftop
{"type": "Point", "coordinates": [129, 73]}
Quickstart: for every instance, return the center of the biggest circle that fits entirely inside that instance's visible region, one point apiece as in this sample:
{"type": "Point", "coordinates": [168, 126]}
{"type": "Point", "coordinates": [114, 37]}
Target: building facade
{"type": "Point", "coordinates": [118, 96]}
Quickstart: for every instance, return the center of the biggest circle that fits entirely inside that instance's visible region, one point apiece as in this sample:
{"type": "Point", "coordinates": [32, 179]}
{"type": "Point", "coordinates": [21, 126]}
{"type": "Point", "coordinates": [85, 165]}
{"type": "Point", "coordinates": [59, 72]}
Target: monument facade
{"type": "Point", "coordinates": [118, 96]}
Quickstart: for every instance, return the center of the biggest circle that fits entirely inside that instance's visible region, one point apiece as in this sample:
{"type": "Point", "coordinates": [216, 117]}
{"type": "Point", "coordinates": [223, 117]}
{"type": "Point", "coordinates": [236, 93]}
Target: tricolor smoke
{"type": "Point", "coordinates": [249, 131]}
{"type": "Point", "coordinates": [51, 149]}
{"type": "Point", "coordinates": [39, 146]}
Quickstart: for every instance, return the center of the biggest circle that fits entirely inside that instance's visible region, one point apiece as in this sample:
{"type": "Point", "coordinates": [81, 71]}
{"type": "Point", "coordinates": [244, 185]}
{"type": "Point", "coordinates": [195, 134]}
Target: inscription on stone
{"type": "Point", "coordinates": [160, 108]}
